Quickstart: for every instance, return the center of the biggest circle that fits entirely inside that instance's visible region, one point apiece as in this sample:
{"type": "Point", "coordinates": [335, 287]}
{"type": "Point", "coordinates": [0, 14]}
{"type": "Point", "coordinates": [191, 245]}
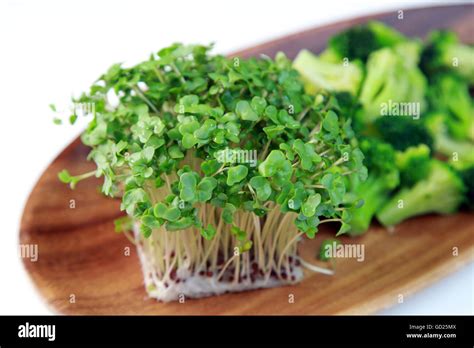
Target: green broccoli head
{"type": "Point", "coordinates": [467, 176]}
{"type": "Point", "coordinates": [444, 143]}
{"type": "Point", "coordinates": [347, 103]}
{"type": "Point", "coordinates": [413, 164]}
{"type": "Point", "coordinates": [379, 158]}
{"type": "Point", "coordinates": [449, 94]}
{"type": "Point", "coordinates": [466, 172]}
{"type": "Point", "coordinates": [441, 191]}
{"type": "Point", "coordinates": [403, 132]}
{"type": "Point", "coordinates": [393, 78]}
{"type": "Point", "coordinates": [320, 74]}
{"type": "Point", "coordinates": [444, 52]}
{"type": "Point", "coordinates": [359, 41]}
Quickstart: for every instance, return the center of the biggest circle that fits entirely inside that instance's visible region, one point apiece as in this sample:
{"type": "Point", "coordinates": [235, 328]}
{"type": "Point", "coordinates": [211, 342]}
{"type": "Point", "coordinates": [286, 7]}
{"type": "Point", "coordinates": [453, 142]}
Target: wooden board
{"type": "Point", "coordinates": [82, 259]}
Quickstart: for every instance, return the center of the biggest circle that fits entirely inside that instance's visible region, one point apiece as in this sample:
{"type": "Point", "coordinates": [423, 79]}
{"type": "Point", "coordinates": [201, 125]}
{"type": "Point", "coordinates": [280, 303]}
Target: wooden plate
{"type": "Point", "coordinates": [83, 267]}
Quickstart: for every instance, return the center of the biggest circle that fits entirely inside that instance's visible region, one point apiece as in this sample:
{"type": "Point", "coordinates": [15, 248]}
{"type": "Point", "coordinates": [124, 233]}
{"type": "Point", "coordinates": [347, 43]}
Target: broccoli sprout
{"type": "Point", "coordinates": [222, 165]}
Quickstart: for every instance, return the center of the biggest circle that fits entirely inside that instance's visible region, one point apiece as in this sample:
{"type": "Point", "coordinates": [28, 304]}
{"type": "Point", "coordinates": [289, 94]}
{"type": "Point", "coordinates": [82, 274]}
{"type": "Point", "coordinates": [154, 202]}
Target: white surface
{"type": "Point", "coordinates": [51, 49]}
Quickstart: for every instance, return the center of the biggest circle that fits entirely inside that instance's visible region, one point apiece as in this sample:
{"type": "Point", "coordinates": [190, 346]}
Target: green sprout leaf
{"type": "Point", "coordinates": [262, 186]}
{"type": "Point", "coordinates": [210, 167]}
{"type": "Point", "coordinates": [206, 130]}
{"type": "Point", "coordinates": [228, 213]}
{"type": "Point", "coordinates": [123, 224]}
{"type": "Point", "coordinates": [306, 153]}
{"type": "Point", "coordinates": [208, 232]}
{"type": "Point", "coordinates": [273, 131]}
{"type": "Point", "coordinates": [330, 123]}
{"type": "Point", "coordinates": [205, 188]}
{"type": "Point", "coordinates": [188, 183]}
{"type": "Point", "coordinates": [175, 152]}
{"type": "Point", "coordinates": [189, 140]}
{"type": "Point", "coordinates": [180, 224]}
{"type": "Point", "coordinates": [258, 104]}
{"type": "Point", "coordinates": [245, 246]}
{"type": "Point", "coordinates": [148, 153]}
{"type": "Point", "coordinates": [65, 177]}
{"type": "Point", "coordinates": [245, 111]}
{"type": "Point", "coordinates": [309, 207]}
{"type": "Point", "coordinates": [145, 231]}
{"type": "Point", "coordinates": [236, 174]}
{"type": "Point", "coordinates": [277, 167]}
{"type": "Point", "coordinates": [150, 221]}
{"type": "Point", "coordinates": [162, 211]}
{"type": "Point", "coordinates": [308, 225]}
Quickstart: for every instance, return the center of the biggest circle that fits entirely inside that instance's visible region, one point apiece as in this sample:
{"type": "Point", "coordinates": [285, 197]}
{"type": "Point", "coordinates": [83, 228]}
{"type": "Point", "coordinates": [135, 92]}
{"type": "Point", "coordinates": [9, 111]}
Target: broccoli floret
{"type": "Point", "coordinates": [348, 105]}
{"type": "Point", "coordinates": [466, 172]}
{"type": "Point", "coordinates": [413, 164]}
{"type": "Point", "coordinates": [393, 78]}
{"type": "Point", "coordinates": [450, 94]}
{"type": "Point", "coordinates": [444, 52]}
{"type": "Point", "coordinates": [383, 177]}
{"type": "Point", "coordinates": [467, 176]}
{"type": "Point", "coordinates": [444, 143]}
{"type": "Point", "coordinates": [442, 191]}
{"type": "Point", "coordinates": [359, 41]}
{"type": "Point", "coordinates": [403, 132]}
{"type": "Point", "coordinates": [320, 74]}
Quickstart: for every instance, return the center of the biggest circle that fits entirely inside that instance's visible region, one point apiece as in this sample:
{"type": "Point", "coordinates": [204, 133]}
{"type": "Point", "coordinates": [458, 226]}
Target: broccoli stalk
{"type": "Point", "coordinates": [320, 74]}
{"type": "Point", "coordinates": [374, 192]}
{"type": "Point", "coordinates": [442, 191]}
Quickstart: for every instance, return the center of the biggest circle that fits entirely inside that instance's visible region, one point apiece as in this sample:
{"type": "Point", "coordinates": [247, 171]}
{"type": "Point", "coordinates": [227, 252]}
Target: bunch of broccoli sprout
{"type": "Point", "coordinates": [222, 165]}
{"type": "Point", "coordinates": [420, 162]}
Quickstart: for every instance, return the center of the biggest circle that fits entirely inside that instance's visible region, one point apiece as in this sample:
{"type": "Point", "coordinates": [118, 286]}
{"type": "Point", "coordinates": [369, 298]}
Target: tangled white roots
{"type": "Point", "coordinates": [183, 263]}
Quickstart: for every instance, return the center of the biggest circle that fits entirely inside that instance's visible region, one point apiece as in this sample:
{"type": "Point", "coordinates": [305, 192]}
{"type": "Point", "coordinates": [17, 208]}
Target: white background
{"type": "Point", "coordinates": [50, 50]}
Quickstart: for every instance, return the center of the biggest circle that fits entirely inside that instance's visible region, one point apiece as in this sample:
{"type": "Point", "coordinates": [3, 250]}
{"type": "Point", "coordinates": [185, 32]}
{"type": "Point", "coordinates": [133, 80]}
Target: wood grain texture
{"type": "Point", "coordinates": [80, 255]}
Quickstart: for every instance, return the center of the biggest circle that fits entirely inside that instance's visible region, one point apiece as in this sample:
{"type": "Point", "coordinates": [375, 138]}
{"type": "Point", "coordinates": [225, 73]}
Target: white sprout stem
{"type": "Point", "coordinates": [315, 268]}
